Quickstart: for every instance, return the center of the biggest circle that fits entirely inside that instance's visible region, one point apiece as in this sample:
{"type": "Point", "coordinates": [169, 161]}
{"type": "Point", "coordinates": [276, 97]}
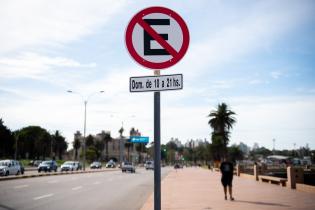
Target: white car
{"type": "Point", "coordinates": [9, 167]}
{"type": "Point", "coordinates": [110, 164]}
{"type": "Point", "coordinates": [149, 165]}
{"type": "Point", "coordinates": [127, 166]}
{"type": "Point", "coordinates": [70, 166]}
{"type": "Point", "coordinates": [96, 164]}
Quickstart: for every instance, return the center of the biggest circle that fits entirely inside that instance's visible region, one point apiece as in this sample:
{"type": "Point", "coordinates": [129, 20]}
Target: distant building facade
{"type": "Point", "coordinates": [119, 149]}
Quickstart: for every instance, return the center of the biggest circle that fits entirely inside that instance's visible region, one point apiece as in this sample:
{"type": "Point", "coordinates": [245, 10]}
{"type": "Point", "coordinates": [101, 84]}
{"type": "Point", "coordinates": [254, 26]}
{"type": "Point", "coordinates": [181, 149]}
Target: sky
{"type": "Point", "coordinates": [256, 56]}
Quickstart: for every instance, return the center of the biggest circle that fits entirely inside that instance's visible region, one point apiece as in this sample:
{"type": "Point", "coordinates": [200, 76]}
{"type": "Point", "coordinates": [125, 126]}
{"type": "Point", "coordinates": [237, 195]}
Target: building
{"type": "Point", "coordinates": [119, 149]}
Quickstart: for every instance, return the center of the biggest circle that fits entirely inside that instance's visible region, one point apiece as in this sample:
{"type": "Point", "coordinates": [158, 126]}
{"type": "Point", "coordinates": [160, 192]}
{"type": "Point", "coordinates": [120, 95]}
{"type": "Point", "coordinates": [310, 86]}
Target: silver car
{"type": "Point", "coordinates": [127, 166]}
{"type": "Point", "coordinates": [9, 167]}
{"type": "Point", "coordinates": [149, 165]}
{"type": "Point", "coordinates": [69, 166]}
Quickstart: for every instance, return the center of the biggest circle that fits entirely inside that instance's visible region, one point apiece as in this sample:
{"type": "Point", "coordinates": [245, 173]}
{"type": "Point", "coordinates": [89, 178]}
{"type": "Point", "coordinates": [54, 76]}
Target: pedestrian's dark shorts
{"type": "Point", "coordinates": [226, 180]}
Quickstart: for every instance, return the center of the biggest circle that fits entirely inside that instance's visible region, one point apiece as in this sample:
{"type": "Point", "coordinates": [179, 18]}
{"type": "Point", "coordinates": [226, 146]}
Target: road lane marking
{"type": "Point", "coordinates": [43, 196]}
{"type": "Point", "coordinates": [20, 186]}
{"type": "Point", "coordinates": [77, 188]}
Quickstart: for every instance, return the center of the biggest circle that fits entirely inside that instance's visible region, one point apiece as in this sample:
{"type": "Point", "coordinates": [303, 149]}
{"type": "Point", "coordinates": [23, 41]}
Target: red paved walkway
{"type": "Point", "coordinates": [200, 189]}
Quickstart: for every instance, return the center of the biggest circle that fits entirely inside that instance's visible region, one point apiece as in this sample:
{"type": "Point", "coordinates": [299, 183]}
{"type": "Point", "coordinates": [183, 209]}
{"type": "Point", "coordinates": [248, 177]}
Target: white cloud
{"type": "Point", "coordinates": [259, 119]}
{"type": "Point", "coordinates": [31, 26]}
{"type": "Point", "coordinates": [51, 23]}
{"type": "Point", "coordinates": [257, 30]}
{"type": "Point", "coordinates": [255, 82]}
{"type": "Point", "coordinates": [222, 84]}
{"type": "Point", "coordinates": [276, 74]}
{"type": "Point", "coordinates": [32, 65]}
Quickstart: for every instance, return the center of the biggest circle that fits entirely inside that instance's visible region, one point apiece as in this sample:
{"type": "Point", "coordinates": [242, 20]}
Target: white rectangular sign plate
{"type": "Point", "coordinates": [156, 83]}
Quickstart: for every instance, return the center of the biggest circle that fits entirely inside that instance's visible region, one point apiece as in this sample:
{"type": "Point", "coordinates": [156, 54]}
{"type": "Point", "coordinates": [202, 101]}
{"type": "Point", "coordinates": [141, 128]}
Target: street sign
{"type": "Point", "coordinates": [157, 37]}
{"type": "Point", "coordinates": [156, 83]}
{"type": "Point", "coordinates": [139, 139]}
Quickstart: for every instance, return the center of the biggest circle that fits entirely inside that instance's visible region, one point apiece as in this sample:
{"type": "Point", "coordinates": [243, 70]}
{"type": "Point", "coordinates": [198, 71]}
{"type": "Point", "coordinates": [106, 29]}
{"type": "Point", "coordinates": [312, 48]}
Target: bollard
{"type": "Point", "coordinates": [256, 172]}
{"type": "Point", "coordinates": [294, 175]}
{"type": "Point", "coordinates": [238, 170]}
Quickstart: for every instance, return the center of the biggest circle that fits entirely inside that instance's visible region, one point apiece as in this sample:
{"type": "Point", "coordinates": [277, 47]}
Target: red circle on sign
{"type": "Point", "coordinates": [176, 56]}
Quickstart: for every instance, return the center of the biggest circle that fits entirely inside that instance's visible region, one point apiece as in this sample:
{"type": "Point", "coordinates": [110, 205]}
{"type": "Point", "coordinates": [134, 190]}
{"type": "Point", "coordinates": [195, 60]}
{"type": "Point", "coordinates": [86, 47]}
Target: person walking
{"type": "Point", "coordinates": [227, 170]}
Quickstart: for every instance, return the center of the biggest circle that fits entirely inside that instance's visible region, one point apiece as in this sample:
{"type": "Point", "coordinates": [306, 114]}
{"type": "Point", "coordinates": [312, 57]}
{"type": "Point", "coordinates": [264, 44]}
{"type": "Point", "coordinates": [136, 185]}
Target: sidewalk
{"type": "Point", "coordinates": [200, 189]}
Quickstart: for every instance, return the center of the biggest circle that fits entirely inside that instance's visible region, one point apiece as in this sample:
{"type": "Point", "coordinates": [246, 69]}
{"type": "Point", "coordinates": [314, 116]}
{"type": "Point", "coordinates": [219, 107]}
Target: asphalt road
{"type": "Point", "coordinates": [111, 190]}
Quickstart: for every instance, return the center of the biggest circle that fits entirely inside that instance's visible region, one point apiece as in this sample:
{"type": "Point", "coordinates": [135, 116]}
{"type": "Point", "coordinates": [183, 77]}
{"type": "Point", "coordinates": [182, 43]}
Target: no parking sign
{"type": "Point", "coordinates": [157, 37]}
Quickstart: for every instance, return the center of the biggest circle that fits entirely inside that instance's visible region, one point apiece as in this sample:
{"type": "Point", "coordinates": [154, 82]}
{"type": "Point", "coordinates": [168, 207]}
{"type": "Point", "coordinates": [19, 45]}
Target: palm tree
{"type": "Point", "coordinates": [107, 138]}
{"type": "Point", "coordinates": [76, 145]}
{"type": "Point", "coordinates": [59, 145]}
{"type": "Point", "coordinates": [221, 121]}
{"type": "Point", "coordinates": [121, 131]}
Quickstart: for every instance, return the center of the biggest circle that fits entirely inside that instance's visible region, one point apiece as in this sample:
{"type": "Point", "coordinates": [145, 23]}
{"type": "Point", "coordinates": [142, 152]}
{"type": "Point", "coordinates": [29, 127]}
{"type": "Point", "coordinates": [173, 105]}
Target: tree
{"type": "Point", "coordinates": [7, 142]}
{"type": "Point", "coordinates": [76, 146]}
{"type": "Point", "coordinates": [89, 141]}
{"type": "Point", "coordinates": [107, 139]}
{"type": "Point", "coordinates": [34, 142]}
{"type": "Point", "coordinates": [59, 144]}
{"type": "Point", "coordinates": [260, 151]}
{"type": "Point", "coordinates": [222, 121]}
{"type": "Point", "coordinates": [171, 145]}
{"type": "Point", "coordinates": [91, 153]}
{"type": "Point", "coordinates": [121, 131]}
{"type": "Point", "coordinates": [234, 153]}
{"type": "Point", "coordinates": [216, 147]}
{"type": "Point", "coordinates": [99, 147]}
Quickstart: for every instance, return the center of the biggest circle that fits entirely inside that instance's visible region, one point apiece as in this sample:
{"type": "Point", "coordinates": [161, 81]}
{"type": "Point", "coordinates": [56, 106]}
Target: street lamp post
{"type": "Point", "coordinates": [84, 130]}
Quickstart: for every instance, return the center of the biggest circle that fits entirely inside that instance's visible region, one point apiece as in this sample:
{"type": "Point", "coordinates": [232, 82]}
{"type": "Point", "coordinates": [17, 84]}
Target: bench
{"type": "Point", "coordinates": [273, 180]}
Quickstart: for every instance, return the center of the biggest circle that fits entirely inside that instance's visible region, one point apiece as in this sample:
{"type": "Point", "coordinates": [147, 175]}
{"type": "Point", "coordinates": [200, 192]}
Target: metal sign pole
{"type": "Point", "coordinates": [157, 149]}
{"type": "Point", "coordinates": [142, 52]}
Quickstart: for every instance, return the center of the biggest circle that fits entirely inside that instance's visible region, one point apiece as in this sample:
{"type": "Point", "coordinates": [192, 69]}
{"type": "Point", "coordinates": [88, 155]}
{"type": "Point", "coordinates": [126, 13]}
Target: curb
{"type": "Point", "coordinates": [53, 174]}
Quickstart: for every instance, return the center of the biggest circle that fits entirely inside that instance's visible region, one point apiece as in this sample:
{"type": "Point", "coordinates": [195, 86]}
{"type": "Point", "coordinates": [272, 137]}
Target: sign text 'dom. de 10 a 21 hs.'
{"type": "Point", "coordinates": [156, 83]}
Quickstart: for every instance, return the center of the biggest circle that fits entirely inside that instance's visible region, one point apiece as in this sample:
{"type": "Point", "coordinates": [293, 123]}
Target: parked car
{"type": "Point", "coordinates": [149, 165]}
{"type": "Point", "coordinates": [127, 166]}
{"type": "Point", "coordinates": [70, 166]}
{"type": "Point", "coordinates": [96, 164]}
{"type": "Point", "coordinates": [35, 163]}
{"type": "Point", "coordinates": [21, 166]}
{"type": "Point", "coordinates": [49, 166]}
{"type": "Point", "coordinates": [9, 167]}
{"type": "Point", "coordinates": [79, 165]}
{"type": "Point", "coordinates": [110, 164]}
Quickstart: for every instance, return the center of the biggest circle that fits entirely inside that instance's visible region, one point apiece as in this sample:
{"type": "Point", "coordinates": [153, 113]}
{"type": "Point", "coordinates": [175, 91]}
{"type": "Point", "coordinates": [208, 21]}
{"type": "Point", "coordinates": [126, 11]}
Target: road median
{"type": "Point", "coordinates": [54, 174]}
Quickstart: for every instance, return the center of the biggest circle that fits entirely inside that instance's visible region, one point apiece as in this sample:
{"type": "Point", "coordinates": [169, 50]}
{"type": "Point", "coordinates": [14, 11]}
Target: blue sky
{"type": "Point", "coordinates": [256, 56]}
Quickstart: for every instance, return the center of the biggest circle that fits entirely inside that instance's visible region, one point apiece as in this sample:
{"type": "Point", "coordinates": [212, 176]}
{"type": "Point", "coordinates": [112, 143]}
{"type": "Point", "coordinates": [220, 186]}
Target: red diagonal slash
{"type": "Point", "coordinates": [157, 38]}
